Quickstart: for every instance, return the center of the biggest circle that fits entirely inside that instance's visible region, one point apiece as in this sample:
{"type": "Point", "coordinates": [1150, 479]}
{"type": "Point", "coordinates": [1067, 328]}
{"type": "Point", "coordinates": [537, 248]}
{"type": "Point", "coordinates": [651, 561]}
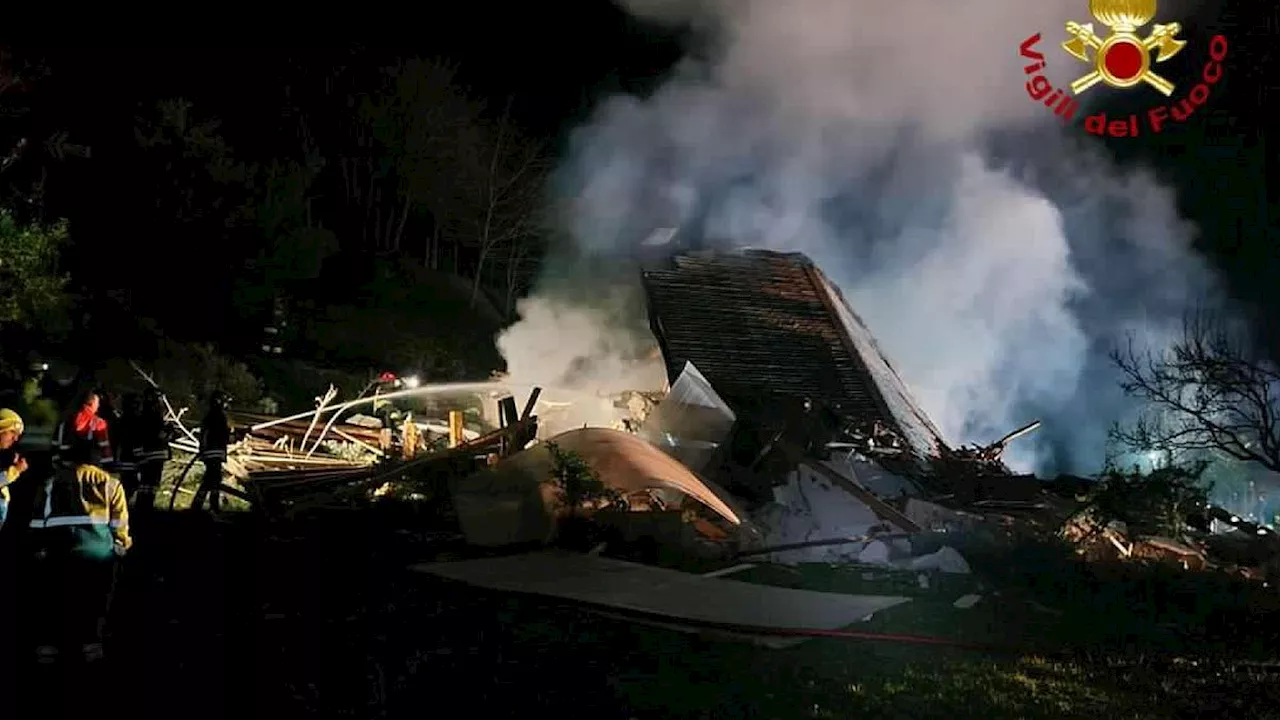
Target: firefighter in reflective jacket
{"type": "Point", "coordinates": [152, 434]}
{"type": "Point", "coordinates": [12, 465]}
{"type": "Point", "coordinates": [215, 435]}
{"type": "Point", "coordinates": [80, 528]}
{"type": "Point", "coordinates": [84, 425]}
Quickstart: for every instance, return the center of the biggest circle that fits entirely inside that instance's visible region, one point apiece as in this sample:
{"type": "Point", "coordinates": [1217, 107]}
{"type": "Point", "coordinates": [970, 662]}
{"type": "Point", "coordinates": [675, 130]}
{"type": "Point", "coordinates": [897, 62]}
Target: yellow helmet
{"type": "Point", "coordinates": [10, 421]}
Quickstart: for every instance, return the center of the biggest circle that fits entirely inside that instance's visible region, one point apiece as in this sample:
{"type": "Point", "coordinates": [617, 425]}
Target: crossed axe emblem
{"type": "Point", "coordinates": [1162, 38]}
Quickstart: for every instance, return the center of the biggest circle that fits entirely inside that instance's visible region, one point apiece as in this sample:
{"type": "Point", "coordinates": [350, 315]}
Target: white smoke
{"type": "Point", "coordinates": [563, 344]}
{"type": "Point", "coordinates": [994, 255]}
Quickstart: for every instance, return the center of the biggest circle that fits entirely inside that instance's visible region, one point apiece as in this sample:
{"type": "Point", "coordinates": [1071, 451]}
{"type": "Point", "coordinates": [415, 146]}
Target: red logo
{"type": "Point", "coordinates": [1123, 60]}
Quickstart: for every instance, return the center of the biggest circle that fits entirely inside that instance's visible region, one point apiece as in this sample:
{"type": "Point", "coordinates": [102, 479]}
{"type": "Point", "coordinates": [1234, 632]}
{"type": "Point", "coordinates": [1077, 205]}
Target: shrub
{"type": "Point", "coordinates": [576, 481]}
{"type": "Point", "coordinates": [31, 288]}
{"type": "Point", "coordinates": [1154, 503]}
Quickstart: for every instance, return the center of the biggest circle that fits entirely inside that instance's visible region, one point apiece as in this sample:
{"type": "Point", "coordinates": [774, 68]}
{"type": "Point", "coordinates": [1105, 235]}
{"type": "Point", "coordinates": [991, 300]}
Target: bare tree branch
{"type": "Point", "coordinates": [1207, 392]}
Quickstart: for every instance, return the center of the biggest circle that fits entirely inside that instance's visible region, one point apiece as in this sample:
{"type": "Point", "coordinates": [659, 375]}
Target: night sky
{"type": "Point", "coordinates": [552, 66]}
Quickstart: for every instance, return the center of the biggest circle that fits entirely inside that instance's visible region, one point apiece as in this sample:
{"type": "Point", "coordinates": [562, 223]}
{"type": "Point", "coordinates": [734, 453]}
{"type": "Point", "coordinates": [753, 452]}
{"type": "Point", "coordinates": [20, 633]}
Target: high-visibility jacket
{"type": "Point", "coordinates": [8, 473]}
{"type": "Point", "coordinates": [215, 436]}
{"type": "Point", "coordinates": [82, 510]}
{"type": "Point", "coordinates": [152, 434]}
{"type": "Point", "coordinates": [84, 425]}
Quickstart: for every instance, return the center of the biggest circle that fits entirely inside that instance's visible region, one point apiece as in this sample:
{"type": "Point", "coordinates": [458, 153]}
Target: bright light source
{"type": "Point", "coordinates": [44, 366]}
{"type": "Point", "coordinates": [411, 381]}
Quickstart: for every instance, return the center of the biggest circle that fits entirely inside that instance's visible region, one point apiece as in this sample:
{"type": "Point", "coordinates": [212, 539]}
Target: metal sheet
{"type": "Point", "coordinates": [658, 591]}
{"type": "Point", "coordinates": [691, 421]}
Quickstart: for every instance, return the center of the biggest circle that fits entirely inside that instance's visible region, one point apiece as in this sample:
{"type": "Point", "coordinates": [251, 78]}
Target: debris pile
{"type": "Point", "coordinates": [785, 435]}
{"type": "Point", "coordinates": [786, 438]}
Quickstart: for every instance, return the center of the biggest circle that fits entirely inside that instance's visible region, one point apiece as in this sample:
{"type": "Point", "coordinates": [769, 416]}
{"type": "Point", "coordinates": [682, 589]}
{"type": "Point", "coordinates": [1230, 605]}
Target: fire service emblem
{"type": "Point", "coordinates": [1123, 59]}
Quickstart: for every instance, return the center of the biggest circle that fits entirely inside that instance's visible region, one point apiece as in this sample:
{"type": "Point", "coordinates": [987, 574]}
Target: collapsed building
{"type": "Point", "coordinates": [828, 442]}
{"type": "Point", "coordinates": [780, 399]}
{"type": "Point", "coordinates": [783, 428]}
{"type": "Point", "coordinates": [778, 343]}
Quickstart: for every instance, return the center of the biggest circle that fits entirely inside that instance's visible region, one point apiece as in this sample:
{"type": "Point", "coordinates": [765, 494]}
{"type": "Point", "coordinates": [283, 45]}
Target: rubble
{"type": "Point", "coordinates": [786, 438]}
{"type": "Point", "coordinates": [515, 500]}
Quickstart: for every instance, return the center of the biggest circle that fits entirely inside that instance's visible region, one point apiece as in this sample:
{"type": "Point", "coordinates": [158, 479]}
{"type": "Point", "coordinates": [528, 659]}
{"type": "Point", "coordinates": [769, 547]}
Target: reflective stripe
{"type": "Point", "coordinates": [213, 455]}
{"type": "Point", "coordinates": [69, 521]}
{"type": "Point", "coordinates": [117, 523]}
{"type": "Point", "coordinates": [60, 438]}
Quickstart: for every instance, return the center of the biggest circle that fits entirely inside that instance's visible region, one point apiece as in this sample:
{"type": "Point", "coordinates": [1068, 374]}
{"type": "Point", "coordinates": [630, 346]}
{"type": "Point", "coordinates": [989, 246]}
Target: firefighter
{"type": "Point", "coordinates": [151, 449]}
{"type": "Point", "coordinates": [84, 425]}
{"type": "Point", "coordinates": [215, 436]}
{"type": "Point", "coordinates": [79, 529]}
{"type": "Point", "coordinates": [125, 435]}
{"type": "Point", "coordinates": [12, 465]}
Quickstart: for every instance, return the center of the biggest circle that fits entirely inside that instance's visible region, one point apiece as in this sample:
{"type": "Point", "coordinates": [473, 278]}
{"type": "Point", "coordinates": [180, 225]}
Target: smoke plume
{"type": "Point", "coordinates": [995, 255]}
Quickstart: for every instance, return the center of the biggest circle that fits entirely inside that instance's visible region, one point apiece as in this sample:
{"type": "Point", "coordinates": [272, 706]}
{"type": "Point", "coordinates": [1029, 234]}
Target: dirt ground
{"type": "Point", "coordinates": [322, 620]}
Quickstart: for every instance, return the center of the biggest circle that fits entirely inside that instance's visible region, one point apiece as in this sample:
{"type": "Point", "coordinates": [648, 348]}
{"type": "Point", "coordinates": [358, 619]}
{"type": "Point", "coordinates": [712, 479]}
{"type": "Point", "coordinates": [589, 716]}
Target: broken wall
{"type": "Point", "coordinates": [808, 507]}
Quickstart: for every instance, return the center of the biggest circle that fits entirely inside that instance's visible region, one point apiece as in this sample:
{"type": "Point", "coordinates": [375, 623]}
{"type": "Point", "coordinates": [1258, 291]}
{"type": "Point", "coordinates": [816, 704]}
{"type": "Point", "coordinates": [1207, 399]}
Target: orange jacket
{"type": "Point", "coordinates": [85, 425]}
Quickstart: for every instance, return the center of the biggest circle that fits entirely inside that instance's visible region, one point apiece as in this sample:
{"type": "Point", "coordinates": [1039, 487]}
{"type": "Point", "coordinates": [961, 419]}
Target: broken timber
{"type": "Point", "coordinates": [882, 509]}
{"type": "Point", "coordinates": [271, 490]}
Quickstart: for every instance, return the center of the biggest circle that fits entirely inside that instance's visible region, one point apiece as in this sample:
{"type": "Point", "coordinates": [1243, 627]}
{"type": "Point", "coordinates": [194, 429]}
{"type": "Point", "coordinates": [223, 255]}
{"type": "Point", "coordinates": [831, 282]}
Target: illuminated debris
{"type": "Point", "coordinates": [515, 501]}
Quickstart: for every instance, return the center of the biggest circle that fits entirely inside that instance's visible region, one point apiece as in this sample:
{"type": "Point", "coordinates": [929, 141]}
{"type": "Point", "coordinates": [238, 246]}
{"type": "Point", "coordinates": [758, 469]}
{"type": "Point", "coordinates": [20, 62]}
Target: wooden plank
{"type": "Point", "coordinates": [660, 592]}
{"type": "Point", "coordinates": [455, 428]}
{"type": "Point", "coordinates": [530, 403]}
{"type": "Point", "coordinates": [508, 415]}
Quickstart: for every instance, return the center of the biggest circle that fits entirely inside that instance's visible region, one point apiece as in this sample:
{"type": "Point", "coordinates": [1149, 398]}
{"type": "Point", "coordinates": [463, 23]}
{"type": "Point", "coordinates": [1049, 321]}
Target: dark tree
{"type": "Point", "coordinates": [1211, 391]}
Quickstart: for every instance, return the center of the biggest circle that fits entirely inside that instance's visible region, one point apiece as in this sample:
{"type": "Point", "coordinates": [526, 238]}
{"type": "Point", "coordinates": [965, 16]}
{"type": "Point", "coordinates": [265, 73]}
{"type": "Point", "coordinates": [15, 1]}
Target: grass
{"type": "Point", "coordinates": [530, 654]}
{"type": "Point", "coordinates": [175, 469]}
{"type": "Point", "coordinates": [320, 619]}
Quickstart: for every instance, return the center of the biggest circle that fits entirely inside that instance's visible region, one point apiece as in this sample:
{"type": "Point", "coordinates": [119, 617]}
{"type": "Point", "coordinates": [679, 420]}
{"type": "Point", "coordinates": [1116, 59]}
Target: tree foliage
{"type": "Point", "coordinates": [295, 247]}
{"type": "Point", "coordinates": [198, 172]}
{"type": "Point", "coordinates": [1154, 503]}
{"type": "Point", "coordinates": [1209, 392]}
{"type": "Point", "coordinates": [26, 157]}
{"type": "Point", "coordinates": [357, 165]}
{"type": "Point", "coordinates": [189, 373]}
{"type": "Point", "coordinates": [32, 289]}
{"type": "Point", "coordinates": [478, 178]}
{"type": "Point", "coordinates": [405, 319]}
{"type": "Point", "coordinates": [576, 481]}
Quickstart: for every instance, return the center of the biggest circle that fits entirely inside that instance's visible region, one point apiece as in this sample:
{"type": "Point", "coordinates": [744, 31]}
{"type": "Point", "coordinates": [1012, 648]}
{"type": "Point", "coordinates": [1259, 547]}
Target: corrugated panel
{"type": "Point", "coordinates": [759, 323]}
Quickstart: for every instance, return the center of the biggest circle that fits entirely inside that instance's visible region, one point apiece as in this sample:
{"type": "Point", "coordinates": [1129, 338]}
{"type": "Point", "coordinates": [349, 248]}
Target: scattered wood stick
{"type": "Point", "coordinates": [321, 402]}
{"type": "Point", "coordinates": [176, 417]}
{"type": "Point", "coordinates": [361, 443]}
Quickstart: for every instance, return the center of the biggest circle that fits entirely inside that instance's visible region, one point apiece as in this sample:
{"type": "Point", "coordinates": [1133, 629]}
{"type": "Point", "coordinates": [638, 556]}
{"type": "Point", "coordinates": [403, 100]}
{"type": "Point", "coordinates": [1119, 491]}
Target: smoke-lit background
{"type": "Point", "coordinates": [996, 255]}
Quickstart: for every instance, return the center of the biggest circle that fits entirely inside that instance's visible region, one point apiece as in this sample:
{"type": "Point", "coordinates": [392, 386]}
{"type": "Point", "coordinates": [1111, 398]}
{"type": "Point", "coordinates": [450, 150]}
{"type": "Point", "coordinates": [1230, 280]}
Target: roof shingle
{"type": "Point", "coordinates": [761, 324]}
